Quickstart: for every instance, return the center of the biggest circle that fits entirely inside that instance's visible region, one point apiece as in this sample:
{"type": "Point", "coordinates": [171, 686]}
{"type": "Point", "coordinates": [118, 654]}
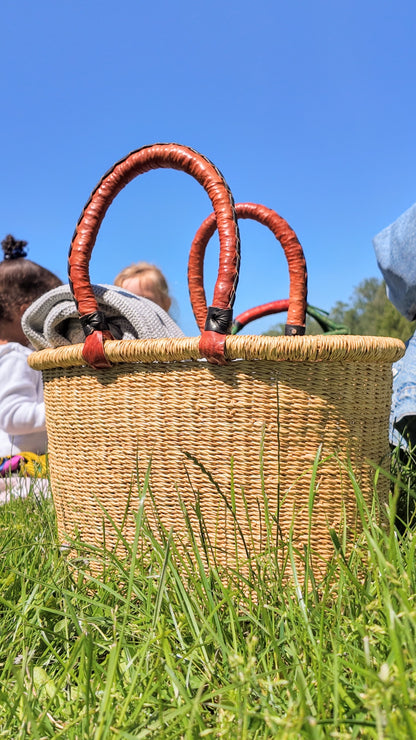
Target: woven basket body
{"type": "Point", "coordinates": [236, 443]}
{"type": "Point", "coordinates": [231, 427]}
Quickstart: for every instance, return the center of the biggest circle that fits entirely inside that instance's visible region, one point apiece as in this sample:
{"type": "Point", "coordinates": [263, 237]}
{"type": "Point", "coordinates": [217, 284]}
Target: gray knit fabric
{"type": "Point", "coordinates": [53, 320]}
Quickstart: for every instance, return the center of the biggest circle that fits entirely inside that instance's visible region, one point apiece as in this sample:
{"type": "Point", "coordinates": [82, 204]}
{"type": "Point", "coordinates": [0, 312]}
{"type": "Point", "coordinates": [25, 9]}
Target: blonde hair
{"type": "Point", "coordinates": [150, 283]}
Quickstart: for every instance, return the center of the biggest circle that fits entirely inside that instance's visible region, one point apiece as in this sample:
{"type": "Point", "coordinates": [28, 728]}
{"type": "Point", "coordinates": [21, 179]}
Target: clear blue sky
{"type": "Point", "coordinates": [307, 107]}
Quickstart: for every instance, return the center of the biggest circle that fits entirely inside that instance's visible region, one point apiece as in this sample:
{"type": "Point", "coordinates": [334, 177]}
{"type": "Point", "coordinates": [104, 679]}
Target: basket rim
{"type": "Point", "coordinates": [312, 348]}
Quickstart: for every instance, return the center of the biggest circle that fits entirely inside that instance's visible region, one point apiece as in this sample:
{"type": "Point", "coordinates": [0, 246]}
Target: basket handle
{"type": "Point", "coordinates": [252, 314]}
{"type": "Point", "coordinates": [175, 156]}
{"type": "Point", "coordinates": [294, 254]}
{"type": "Point", "coordinates": [266, 309]}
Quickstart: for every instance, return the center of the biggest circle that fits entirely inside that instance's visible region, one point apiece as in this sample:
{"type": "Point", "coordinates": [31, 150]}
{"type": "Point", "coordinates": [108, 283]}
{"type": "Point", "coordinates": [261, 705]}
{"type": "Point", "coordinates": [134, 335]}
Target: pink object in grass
{"type": "Point", "coordinates": [10, 465]}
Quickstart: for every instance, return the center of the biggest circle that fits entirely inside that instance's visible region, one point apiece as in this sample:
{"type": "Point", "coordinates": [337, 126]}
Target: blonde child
{"type": "Point", "coordinates": [145, 280]}
{"type": "Point", "coordinates": [22, 411]}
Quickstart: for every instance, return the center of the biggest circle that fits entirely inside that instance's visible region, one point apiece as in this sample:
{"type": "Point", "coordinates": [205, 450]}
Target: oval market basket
{"type": "Point", "coordinates": [231, 441]}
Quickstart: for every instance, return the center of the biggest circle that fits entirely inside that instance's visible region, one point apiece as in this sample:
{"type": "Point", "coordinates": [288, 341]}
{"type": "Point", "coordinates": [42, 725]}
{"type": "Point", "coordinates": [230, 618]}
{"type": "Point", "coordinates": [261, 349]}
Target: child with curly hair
{"type": "Point", "coordinates": [22, 411]}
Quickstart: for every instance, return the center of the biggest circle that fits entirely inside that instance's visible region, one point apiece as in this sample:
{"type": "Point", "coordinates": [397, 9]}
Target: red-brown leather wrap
{"type": "Point", "coordinates": [284, 234]}
{"type": "Point", "coordinates": [212, 346]}
{"type": "Point", "coordinates": [259, 311]}
{"type": "Point", "coordinates": [93, 351]}
{"type": "Point", "coordinates": [174, 156]}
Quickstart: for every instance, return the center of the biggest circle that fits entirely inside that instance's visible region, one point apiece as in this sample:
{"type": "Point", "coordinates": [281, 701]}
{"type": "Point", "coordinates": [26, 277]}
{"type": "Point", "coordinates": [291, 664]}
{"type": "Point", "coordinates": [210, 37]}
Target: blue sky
{"type": "Point", "coordinates": [307, 107]}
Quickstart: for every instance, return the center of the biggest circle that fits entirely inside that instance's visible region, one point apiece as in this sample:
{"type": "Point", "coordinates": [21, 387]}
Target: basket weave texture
{"type": "Point", "coordinates": [255, 426]}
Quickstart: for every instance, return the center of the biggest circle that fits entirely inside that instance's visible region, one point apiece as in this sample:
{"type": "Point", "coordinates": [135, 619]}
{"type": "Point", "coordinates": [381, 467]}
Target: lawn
{"type": "Point", "coordinates": [159, 647]}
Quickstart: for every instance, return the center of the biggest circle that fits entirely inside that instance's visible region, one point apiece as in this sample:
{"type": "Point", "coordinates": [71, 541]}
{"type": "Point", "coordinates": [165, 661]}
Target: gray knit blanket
{"type": "Point", "coordinates": [53, 320]}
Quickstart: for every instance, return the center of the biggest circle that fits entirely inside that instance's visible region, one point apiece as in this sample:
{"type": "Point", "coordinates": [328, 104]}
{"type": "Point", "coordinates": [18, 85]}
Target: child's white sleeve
{"type": "Point", "coordinates": [22, 410]}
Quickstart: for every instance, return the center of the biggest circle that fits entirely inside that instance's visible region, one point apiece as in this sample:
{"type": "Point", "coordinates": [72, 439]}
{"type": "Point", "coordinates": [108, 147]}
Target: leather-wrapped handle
{"type": "Point", "coordinates": [252, 314]}
{"type": "Point", "coordinates": [328, 325]}
{"type": "Point", "coordinates": [294, 254]}
{"type": "Point", "coordinates": [178, 157]}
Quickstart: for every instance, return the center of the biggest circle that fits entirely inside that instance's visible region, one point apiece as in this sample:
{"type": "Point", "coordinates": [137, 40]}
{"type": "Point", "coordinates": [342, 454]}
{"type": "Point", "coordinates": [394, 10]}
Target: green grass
{"type": "Point", "coordinates": [158, 648]}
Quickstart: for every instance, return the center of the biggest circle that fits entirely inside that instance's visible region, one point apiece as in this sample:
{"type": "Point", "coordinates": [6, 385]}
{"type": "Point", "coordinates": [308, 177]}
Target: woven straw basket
{"type": "Point", "coordinates": [235, 437]}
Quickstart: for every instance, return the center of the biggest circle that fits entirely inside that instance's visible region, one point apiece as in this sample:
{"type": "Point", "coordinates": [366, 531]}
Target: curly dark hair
{"type": "Point", "coordinates": [12, 248]}
{"type": "Point", "coordinates": [21, 280]}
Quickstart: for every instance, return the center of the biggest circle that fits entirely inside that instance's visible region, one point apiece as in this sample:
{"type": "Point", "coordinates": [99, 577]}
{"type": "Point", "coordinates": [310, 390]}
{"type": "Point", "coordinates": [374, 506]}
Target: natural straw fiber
{"type": "Point", "coordinates": [265, 415]}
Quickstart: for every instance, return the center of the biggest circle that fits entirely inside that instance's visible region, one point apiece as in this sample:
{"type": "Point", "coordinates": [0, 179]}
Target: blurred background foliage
{"type": "Point", "coordinates": [368, 312]}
